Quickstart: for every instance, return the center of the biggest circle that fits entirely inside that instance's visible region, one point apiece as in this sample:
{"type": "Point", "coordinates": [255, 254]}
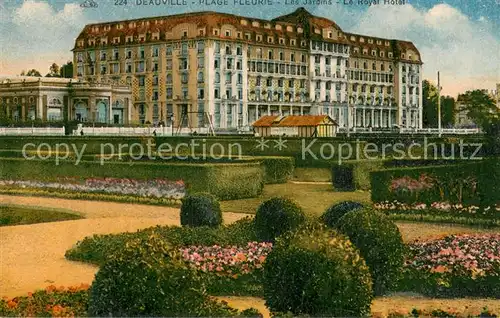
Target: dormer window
{"type": "Point", "coordinates": [243, 22]}
{"type": "Point", "coordinates": [402, 55]}
{"type": "Point", "coordinates": [353, 38]}
{"type": "Point", "coordinates": [370, 41]}
{"type": "Point", "coordinates": [409, 56]}
{"type": "Point", "coordinates": [278, 27]}
{"type": "Point", "coordinates": [184, 34]}
{"type": "Point", "coordinates": [300, 30]}
{"type": "Point", "coordinates": [289, 28]}
{"type": "Point", "coordinates": [362, 40]}
{"type": "Point", "coordinates": [379, 42]}
{"type": "Point", "coordinates": [317, 31]}
{"type": "Point", "coordinates": [255, 24]}
{"type": "Point", "coordinates": [330, 35]}
{"type": "Point", "coordinates": [386, 43]}
{"type": "Point", "coordinates": [267, 26]}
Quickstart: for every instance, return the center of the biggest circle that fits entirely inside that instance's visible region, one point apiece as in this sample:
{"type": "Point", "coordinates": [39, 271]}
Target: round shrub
{"type": "Point", "coordinates": [317, 272]}
{"type": "Point", "coordinates": [277, 216]}
{"type": "Point", "coordinates": [380, 244]}
{"type": "Point", "coordinates": [147, 278]}
{"type": "Point", "coordinates": [201, 209]}
{"type": "Point", "coordinates": [333, 214]}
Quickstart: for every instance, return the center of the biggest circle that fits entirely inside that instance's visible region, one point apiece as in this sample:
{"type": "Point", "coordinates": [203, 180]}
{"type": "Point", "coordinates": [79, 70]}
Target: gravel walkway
{"type": "Point", "coordinates": [32, 256]}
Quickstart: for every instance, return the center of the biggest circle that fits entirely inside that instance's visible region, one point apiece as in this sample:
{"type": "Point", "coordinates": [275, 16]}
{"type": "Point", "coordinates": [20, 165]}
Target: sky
{"type": "Point", "coordinates": [459, 38]}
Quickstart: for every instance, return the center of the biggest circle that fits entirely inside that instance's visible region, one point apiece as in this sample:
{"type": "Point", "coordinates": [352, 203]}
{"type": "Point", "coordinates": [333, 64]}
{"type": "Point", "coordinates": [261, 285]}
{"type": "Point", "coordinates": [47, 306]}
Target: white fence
{"type": "Point", "coordinates": [32, 131]}
{"type": "Point", "coordinates": [424, 131]}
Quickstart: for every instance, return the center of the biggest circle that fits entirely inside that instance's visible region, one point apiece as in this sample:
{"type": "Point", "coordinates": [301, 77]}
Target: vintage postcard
{"type": "Point", "coordinates": [260, 158]}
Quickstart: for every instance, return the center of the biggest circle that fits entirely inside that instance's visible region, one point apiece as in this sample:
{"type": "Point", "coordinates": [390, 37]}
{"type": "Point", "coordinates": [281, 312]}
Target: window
{"type": "Point", "coordinates": [216, 32]}
{"type": "Point", "coordinates": [201, 93]}
{"type": "Point", "coordinates": [270, 54]}
{"type": "Point", "coordinates": [228, 33]}
{"type": "Point", "coordinates": [228, 50]}
{"type": "Point", "coordinates": [239, 51]}
{"type": "Point", "coordinates": [156, 51]}
{"type": "Point", "coordinates": [216, 93]}
{"type": "Point", "coordinates": [281, 56]}
{"type": "Point", "coordinates": [259, 38]}
{"type": "Point", "coordinates": [142, 81]}
{"type": "Point", "coordinates": [248, 36]}
{"type": "Point", "coordinates": [217, 77]}
{"type": "Point", "coordinates": [292, 42]}
{"type": "Point", "coordinates": [169, 78]}
{"type": "Point", "coordinates": [374, 66]}
{"type": "Point", "coordinates": [184, 34]}
{"type": "Point", "coordinates": [330, 35]}
{"type": "Point", "coordinates": [200, 77]}
{"type": "Point", "coordinates": [292, 57]}
{"type": "Point", "coordinates": [270, 39]}
{"type": "Point", "coordinates": [269, 82]}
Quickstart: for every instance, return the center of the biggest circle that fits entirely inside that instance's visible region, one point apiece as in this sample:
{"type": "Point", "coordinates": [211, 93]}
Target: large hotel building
{"type": "Point", "coordinates": [209, 68]}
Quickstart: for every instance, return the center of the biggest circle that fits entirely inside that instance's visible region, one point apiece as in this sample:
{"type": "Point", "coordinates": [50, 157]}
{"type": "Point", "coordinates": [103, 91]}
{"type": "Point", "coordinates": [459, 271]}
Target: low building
{"type": "Point", "coordinates": [24, 98]}
{"type": "Point", "coordinates": [296, 126]}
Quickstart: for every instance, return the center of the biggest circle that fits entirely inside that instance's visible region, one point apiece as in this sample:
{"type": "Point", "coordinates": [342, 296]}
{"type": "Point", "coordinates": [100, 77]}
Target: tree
{"type": "Point", "coordinates": [447, 111]}
{"type": "Point", "coordinates": [53, 70]}
{"type": "Point", "coordinates": [479, 106]}
{"type": "Point", "coordinates": [31, 72]}
{"type": "Point", "coordinates": [430, 107]}
{"type": "Point", "coordinates": [429, 104]}
{"type": "Point", "coordinates": [66, 70]}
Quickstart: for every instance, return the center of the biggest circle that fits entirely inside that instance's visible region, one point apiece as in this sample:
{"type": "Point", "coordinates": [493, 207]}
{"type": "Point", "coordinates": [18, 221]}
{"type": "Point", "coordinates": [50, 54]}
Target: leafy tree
{"type": "Point", "coordinates": [66, 70]}
{"type": "Point", "coordinates": [31, 72]}
{"type": "Point", "coordinates": [430, 107]}
{"type": "Point", "coordinates": [480, 107]}
{"type": "Point", "coordinates": [447, 110]}
{"type": "Point", "coordinates": [53, 70]}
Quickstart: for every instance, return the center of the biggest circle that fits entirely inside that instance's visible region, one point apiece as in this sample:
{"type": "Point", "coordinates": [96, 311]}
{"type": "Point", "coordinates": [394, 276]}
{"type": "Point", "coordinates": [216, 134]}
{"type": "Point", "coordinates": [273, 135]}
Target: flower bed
{"type": "Point", "coordinates": [451, 313]}
{"type": "Point", "coordinates": [457, 265]}
{"type": "Point", "coordinates": [50, 302]}
{"type": "Point", "coordinates": [444, 209]}
{"type": "Point", "coordinates": [229, 270]}
{"type": "Point", "coordinates": [227, 261]}
{"type": "Point", "coordinates": [155, 188]}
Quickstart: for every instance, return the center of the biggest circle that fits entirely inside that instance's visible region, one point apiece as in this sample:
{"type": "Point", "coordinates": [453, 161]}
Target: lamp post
{"type": "Point", "coordinates": [439, 105]}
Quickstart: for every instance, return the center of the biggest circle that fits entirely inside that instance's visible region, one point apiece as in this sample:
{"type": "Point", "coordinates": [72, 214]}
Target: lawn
{"type": "Point", "coordinates": [20, 214]}
{"type": "Point", "coordinates": [313, 198]}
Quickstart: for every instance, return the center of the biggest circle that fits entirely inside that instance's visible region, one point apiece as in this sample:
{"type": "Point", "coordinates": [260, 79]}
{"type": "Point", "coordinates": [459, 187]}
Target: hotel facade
{"type": "Point", "coordinates": [227, 71]}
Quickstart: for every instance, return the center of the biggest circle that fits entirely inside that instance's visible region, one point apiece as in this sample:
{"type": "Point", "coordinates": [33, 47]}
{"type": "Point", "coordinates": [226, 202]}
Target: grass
{"type": "Point", "coordinates": [312, 174]}
{"type": "Point", "coordinates": [313, 198]}
{"type": "Point", "coordinates": [21, 214]}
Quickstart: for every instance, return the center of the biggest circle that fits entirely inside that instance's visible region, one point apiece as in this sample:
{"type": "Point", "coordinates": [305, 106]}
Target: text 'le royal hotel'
{"type": "Point", "coordinates": [230, 70]}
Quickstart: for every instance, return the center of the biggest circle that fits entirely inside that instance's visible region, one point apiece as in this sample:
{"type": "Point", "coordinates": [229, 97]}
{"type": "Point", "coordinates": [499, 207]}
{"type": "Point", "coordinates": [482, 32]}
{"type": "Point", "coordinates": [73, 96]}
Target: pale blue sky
{"type": "Point", "coordinates": [461, 38]}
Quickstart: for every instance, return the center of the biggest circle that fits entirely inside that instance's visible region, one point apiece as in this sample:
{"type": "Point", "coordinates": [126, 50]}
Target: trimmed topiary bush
{"type": "Point", "coordinates": [380, 243]}
{"type": "Point", "coordinates": [277, 216]}
{"type": "Point", "coordinates": [201, 209]}
{"type": "Point", "coordinates": [333, 214]}
{"type": "Point", "coordinates": [147, 278]}
{"type": "Point", "coordinates": [318, 272]}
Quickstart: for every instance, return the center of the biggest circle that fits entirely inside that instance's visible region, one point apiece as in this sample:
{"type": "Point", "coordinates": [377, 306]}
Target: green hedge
{"type": "Point", "coordinates": [277, 169]}
{"type": "Point", "coordinates": [449, 183]}
{"type": "Point", "coordinates": [92, 145]}
{"type": "Point", "coordinates": [354, 175]}
{"type": "Point", "coordinates": [226, 181]}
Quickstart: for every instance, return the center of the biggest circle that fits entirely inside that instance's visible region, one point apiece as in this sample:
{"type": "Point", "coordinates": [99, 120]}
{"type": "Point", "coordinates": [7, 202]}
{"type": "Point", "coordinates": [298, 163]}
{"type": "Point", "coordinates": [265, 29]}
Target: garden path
{"type": "Point", "coordinates": [32, 256]}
